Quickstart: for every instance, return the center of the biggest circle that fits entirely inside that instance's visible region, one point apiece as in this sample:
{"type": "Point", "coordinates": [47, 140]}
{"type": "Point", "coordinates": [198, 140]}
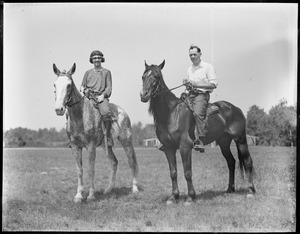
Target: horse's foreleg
{"type": "Point", "coordinates": [91, 172]}
{"type": "Point", "coordinates": [186, 156]}
{"type": "Point", "coordinates": [77, 153]}
{"type": "Point", "coordinates": [171, 156]}
{"type": "Point", "coordinates": [114, 165]}
{"type": "Point", "coordinates": [131, 156]}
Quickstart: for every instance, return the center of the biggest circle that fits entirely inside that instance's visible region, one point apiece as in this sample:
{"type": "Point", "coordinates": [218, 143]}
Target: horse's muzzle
{"type": "Point", "coordinates": [60, 111]}
{"type": "Point", "coordinates": [145, 96]}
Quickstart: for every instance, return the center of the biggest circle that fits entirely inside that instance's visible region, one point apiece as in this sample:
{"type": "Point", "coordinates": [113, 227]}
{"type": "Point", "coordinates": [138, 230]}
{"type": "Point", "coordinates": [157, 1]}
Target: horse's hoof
{"type": "Point", "coordinates": [135, 190]}
{"type": "Point", "coordinates": [230, 190]}
{"type": "Point", "coordinates": [91, 198]}
{"type": "Point", "coordinates": [108, 190]}
{"type": "Point", "coordinates": [78, 199]}
{"type": "Point", "coordinates": [189, 201]}
{"type": "Point", "coordinates": [252, 190]}
{"type": "Point", "coordinates": [172, 200]}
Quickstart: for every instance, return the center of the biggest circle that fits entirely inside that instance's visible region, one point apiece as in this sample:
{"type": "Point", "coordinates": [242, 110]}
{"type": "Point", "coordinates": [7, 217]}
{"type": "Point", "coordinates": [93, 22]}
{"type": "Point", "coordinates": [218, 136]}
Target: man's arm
{"type": "Point", "coordinates": [203, 85]}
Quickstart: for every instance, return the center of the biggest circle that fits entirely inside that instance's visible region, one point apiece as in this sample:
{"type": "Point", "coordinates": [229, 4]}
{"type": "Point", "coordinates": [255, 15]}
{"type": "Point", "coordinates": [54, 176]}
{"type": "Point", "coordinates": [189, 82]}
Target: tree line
{"type": "Point", "coordinates": [24, 137]}
{"type": "Point", "coordinates": [276, 128]}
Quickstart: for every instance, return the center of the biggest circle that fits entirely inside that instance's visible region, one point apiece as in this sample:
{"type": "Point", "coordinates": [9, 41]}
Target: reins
{"type": "Point", "coordinates": [154, 94]}
{"type": "Point", "coordinates": [73, 104]}
{"type": "Point", "coordinates": [70, 99]}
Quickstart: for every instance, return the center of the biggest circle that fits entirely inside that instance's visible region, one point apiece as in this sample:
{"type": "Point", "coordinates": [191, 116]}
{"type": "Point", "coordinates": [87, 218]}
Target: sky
{"type": "Point", "coordinates": [252, 46]}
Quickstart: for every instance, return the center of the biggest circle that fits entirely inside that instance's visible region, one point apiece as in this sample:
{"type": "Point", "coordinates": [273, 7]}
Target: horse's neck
{"type": "Point", "coordinates": [76, 93]}
{"type": "Point", "coordinates": [162, 104]}
{"type": "Point", "coordinates": [75, 110]}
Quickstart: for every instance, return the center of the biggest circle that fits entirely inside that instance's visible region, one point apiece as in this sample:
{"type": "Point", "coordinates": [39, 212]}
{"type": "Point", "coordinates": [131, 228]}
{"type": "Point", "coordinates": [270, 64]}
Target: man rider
{"type": "Point", "coordinates": [201, 82]}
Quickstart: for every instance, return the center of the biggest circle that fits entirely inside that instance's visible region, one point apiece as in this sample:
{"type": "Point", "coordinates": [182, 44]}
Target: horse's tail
{"type": "Point", "coordinates": [245, 160]}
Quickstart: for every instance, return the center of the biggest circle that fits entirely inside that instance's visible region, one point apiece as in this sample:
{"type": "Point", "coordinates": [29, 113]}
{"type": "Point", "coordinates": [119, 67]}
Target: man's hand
{"type": "Point", "coordinates": [185, 81]}
{"type": "Point", "coordinates": [81, 89]}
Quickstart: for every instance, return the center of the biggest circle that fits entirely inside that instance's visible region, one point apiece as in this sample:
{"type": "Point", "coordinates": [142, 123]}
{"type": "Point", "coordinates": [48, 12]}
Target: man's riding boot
{"type": "Point", "coordinates": [107, 124]}
{"type": "Point", "coordinates": [201, 129]}
{"type": "Point", "coordinates": [198, 145]}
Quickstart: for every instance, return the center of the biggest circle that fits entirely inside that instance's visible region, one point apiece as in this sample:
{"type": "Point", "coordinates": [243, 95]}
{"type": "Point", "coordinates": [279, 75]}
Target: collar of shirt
{"type": "Point", "coordinates": [199, 66]}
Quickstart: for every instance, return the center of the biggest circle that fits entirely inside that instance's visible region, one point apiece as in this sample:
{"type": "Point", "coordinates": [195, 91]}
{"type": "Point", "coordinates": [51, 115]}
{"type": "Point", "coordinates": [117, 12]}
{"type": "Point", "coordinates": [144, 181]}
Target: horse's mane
{"type": "Point", "coordinates": [161, 104]}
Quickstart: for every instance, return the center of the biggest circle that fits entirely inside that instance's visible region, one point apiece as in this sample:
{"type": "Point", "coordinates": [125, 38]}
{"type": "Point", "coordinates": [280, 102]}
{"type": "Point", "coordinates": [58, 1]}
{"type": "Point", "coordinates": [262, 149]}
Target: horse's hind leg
{"type": "Point", "coordinates": [224, 143]}
{"type": "Point", "coordinates": [131, 156]}
{"type": "Point", "coordinates": [114, 165]}
{"type": "Point", "coordinates": [246, 162]}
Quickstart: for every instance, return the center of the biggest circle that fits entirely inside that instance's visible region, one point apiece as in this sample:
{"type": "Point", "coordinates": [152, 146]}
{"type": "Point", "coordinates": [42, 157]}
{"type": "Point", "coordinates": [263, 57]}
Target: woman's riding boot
{"type": "Point", "coordinates": [107, 124]}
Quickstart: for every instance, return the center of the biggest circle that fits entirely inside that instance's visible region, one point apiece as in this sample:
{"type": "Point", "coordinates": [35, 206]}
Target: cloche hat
{"type": "Point", "coordinates": [97, 53]}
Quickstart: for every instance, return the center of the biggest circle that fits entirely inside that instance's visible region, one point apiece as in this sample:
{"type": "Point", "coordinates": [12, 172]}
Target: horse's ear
{"type": "Point", "coordinates": [72, 70]}
{"type": "Point", "coordinates": [161, 66]}
{"type": "Point", "coordinates": [55, 69]}
{"type": "Point", "coordinates": [146, 65]}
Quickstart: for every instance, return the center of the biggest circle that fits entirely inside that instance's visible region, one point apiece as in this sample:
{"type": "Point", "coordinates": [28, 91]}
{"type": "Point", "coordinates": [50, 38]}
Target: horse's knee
{"type": "Point", "coordinates": [79, 172]}
{"type": "Point", "coordinates": [173, 174]}
{"type": "Point", "coordinates": [188, 175]}
{"type": "Point", "coordinates": [114, 161]}
{"type": "Point", "coordinates": [115, 164]}
{"type": "Point", "coordinates": [231, 163]}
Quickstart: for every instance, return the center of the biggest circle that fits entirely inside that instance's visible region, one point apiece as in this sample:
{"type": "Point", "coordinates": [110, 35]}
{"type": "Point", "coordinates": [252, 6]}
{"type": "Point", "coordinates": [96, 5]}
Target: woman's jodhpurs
{"type": "Point", "coordinates": [104, 109]}
{"type": "Point", "coordinates": [107, 120]}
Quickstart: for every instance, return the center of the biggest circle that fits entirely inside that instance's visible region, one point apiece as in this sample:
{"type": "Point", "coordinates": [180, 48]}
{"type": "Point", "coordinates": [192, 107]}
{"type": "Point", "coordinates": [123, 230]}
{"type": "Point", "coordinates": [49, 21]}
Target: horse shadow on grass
{"type": "Point", "coordinates": [211, 194]}
{"type": "Point", "coordinates": [117, 192]}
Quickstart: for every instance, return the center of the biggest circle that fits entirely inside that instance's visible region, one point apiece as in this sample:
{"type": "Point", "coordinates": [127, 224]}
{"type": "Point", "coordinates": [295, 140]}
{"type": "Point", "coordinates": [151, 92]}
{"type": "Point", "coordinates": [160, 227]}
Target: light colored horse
{"type": "Point", "coordinates": [84, 130]}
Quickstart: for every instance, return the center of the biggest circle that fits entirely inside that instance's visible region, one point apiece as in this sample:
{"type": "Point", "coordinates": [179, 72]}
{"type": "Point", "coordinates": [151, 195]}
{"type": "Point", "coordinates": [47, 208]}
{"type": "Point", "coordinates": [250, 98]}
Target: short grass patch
{"type": "Point", "coordinates": [39, 186]}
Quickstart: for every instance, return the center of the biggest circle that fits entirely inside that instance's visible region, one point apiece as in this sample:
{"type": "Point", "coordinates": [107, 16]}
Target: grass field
{"type": "Point", "coordinates": [39, 186]}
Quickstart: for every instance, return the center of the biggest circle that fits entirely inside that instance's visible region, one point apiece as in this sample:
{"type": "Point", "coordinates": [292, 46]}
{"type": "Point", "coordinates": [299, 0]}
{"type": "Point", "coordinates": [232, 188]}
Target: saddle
{"type": "Point", "coordinates": [93, 96]}
{"type": "Point", "coordinates": [211, 108]}
{"type": "Point", "coordinates": [114, 113]}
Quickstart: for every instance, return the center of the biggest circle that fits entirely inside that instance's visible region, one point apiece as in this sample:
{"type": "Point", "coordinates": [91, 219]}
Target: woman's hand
{"type": "Point", "coordinates": [100, 98]}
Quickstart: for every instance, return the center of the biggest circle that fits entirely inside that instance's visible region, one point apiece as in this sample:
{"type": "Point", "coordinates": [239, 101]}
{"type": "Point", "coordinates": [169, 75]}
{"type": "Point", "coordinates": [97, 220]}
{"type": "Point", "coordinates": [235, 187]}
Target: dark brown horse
{"type": "Point", "coordinates": [175, 124]}
{"type": "Point", "coordinates": [84, 130]}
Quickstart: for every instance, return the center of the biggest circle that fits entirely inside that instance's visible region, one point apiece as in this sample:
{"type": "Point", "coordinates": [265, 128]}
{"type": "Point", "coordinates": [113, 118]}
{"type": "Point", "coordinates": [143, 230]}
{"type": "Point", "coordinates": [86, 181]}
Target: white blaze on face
{"type": "Point", "coordinates": [147, 75]}
{"type": "Point", "coordinates": [149, 72]}
{"type": "Point", "coordinates": [61, 85]}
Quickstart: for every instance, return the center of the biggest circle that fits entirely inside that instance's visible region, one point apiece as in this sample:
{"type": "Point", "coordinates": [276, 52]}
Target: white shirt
{"type": "Point", "coordinates": [204, 72]}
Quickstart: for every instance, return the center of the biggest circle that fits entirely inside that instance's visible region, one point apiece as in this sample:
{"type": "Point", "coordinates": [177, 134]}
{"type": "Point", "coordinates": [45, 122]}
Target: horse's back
{"type": "Point", "coordinates": [119, 113]}
{"type": "Point", "coordinates": [227, 109]}
{"type": "Point", "coordinates": [121, 124]}
{"type": "Point", "coordinates": [233, 119]}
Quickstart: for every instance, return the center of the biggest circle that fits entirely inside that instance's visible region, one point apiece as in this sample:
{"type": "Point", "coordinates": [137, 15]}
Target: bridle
{"type": "Point", "coordinates": [157, 83]}
{"type": "Point", "coordinates": [68, 103]}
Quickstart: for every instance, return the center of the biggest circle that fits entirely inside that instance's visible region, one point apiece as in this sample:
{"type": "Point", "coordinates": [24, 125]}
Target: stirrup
{"type": "Point", "coordinates": [161, 147]}
{"type": "Point", "coordinates": [198, 146]}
